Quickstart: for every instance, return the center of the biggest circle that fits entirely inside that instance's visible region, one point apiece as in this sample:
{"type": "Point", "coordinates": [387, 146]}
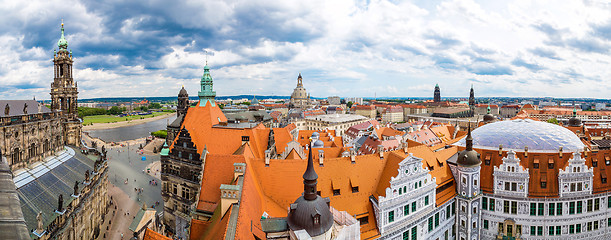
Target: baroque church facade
{"type": "Point", "coordinates": [63, 193]}
{"type": "Point", "coordinates": [29, 131]}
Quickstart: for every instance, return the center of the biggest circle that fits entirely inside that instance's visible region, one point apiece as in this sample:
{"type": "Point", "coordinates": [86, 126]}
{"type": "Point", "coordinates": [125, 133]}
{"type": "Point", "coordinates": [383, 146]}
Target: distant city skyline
{"type": "Point", "coordinates": [343, 48]}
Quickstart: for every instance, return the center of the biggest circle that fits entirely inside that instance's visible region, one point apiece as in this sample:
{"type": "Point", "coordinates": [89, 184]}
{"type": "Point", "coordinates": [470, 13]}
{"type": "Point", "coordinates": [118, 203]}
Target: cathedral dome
{"type": "Point", "coordinates": [517, 134]}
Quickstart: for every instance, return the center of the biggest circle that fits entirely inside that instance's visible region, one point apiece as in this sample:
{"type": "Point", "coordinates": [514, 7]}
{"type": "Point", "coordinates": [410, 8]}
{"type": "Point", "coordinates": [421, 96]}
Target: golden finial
{"type": "Point", "coordinates": [62, 22]}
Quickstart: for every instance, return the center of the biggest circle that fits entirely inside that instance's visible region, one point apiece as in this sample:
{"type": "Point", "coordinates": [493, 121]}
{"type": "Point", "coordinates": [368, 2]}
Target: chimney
{"type": "Point", "coordinates": [526, 151]}
{"type": "Point", "coordinates": [560, 151]}
{"type": "Point", "coordinates": [321, 156]}
{"type": "Point", "coordinates": [245, 139]}
{"type": "Point", "coordinates": [405, 145]}
{"type": "Point", "coordinates": [500, 149]}
{"type": "Point", "coordinates": [381, 151]}
{"type": "Point", "coordinates": [230, 194]}
{"type": "Point", "coordinates": [352, 155]}
{"type": "Point", "coordinates": [268, 155]}
{"type": "Point", "coordinates": [238, 170]}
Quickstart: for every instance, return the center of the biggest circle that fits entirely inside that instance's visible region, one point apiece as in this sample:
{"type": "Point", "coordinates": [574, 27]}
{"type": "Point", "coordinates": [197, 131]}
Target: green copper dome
{"type": "Point", "coordinates": [206, 94]}
{"type": "Point", "coordinates": [62, 43]}
{"type": "Point", "coordinates": [165, 151]}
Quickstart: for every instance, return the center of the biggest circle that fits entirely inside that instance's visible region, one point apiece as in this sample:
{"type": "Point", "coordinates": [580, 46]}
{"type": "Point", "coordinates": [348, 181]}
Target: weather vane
{"type": "Point", "coordinates": [206, 52]}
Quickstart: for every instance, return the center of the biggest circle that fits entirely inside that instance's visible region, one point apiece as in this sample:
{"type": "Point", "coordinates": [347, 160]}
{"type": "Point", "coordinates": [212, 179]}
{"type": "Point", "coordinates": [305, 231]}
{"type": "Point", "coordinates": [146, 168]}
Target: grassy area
{"type": "Point", "coordinates": [111, 118]}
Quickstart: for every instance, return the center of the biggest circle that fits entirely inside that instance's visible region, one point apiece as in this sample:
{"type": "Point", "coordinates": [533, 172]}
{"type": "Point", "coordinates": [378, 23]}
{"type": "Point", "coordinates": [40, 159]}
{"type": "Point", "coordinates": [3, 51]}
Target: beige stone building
{"type": "Point", "coordinates": [367, 111]}
{"type": "Point", "coordinates": [338, 122]}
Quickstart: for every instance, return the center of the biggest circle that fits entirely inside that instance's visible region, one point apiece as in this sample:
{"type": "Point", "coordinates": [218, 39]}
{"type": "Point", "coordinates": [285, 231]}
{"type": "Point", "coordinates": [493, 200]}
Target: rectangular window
{"type": "Point", "coordinates": [578, 228]}
{"type": "Point", "coordinates": [453, 208]}
{"type": "Point", "coordinates": [589, 226]}
{"type": "Point", "coordinates": [540, 231]}
{"type": "Point", "coordinates": [533, 209]}
{"type": "Point", "coordinates": [559, 209]}
{"type": "Point", "coordinates": [558, 230]}
{"type": "Point", "coordinates": [608, 202]}
{"type": "Point", "coordinates": [486, 224]}
{"type": "Point", "coordinates": [485, 203]}
{"type": "Point", "coordinates": [514, 207]}
{"type": "Point", "coordinates": [415, 233]}
{"type": "Point", "coordinates": [514, 187]}
{"type": "Point", "coordinates": [551, 230]}
{"type": "Point", "coordinates": [391, 216]}
{"type": "Point", "coordinates": [406, 210]}
{"type": "Point", "coordinates": [437, 219]}
{"type": "Point", "coordinates": [430, 224]}
{"type": "Point", "coordinates": [414, 207]}
{"type": "Point", "coordinates": [507, 186]}
{"type": "Point", "coordinates": [590, 205]}
{"type": "Point", "coordinates": [363, 220]}
{"type": "Point", "coordinates": [608, 222]}
{"type": "Point", "coordinates": [336, 192]}
{"type": "Point", "coordinates": [448, 211]}
{"type": "Point", "coordinates": [572, 208]}
{"type": "Point", "coordinates": [579, 206]}
{"type": "Point", "coordinates": [506, 206]}
{"type": "Point", "coordinates": [491, 208]}
{"type": "Point", "coordinates": [533, 230]}
{"type": "Point", "coordinates": [596, 204]}
{"type": "Point", "coordinates": [596, 225]}
{"type": "Point", "coordinates": [571, 229]}
{"type": "Point", "coordinates": [540, 212]}
{"type": "Point", "coordinates": [406, 235]}
{"type": "Point", "coordinates": [551, 210]}
{"type": "Point", "coordinates": [426, 200]}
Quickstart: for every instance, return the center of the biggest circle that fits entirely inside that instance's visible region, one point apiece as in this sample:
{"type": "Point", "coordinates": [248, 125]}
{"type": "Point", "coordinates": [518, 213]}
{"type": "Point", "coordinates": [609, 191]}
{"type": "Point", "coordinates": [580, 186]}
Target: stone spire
{"type": "Point", "coordinates": [469, 139]}
{"type": "Point", "coordinates": [310, 179]}
{"type": "Point", "coordinates": [206, 95]}
{"type": "Point", "coordinates": [437, 94]}
{"type": "Point", "coordinates": [472, 98]}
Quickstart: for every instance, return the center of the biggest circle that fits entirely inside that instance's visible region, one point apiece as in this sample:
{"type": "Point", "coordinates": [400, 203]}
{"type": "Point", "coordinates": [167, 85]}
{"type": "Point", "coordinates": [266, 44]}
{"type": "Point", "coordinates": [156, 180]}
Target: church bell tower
{"type": "Point", "coordinates": [64, 92]}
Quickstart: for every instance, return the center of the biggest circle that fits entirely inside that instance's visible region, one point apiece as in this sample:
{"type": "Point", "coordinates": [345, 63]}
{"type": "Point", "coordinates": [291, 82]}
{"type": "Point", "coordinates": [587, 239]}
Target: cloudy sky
{"type": "Point", "coordinates": [348, 48]}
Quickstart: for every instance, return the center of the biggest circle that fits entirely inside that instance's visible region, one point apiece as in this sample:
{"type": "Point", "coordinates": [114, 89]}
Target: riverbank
{"type": "Point", "coordinates": [101, 126]}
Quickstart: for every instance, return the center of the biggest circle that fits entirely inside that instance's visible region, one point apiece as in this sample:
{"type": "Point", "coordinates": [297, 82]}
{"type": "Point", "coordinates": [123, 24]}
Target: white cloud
{"type": "Point", "coordinates": [346, 48]}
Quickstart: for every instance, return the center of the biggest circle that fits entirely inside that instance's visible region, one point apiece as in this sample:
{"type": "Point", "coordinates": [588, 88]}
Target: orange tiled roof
{"type": "Point", "coordinates": [152, 235]}
{"type": "Point", "coordinates": [218, 170]}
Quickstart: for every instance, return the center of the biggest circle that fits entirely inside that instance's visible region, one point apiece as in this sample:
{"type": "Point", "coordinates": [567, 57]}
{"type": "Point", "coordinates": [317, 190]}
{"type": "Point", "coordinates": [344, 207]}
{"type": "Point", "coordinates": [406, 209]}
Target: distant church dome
{"type": "Point", "coordinates": [574, 121]}
{"type": "Point", "coordinates": [489, 117]}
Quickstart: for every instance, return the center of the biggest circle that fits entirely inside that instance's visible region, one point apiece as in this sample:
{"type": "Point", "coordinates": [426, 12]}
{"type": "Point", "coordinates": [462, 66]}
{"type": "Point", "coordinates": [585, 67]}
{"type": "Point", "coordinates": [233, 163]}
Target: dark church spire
{"type": "Point", "coordinates": [310, 179]}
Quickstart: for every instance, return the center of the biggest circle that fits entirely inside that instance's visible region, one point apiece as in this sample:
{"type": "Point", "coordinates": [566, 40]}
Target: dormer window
{"type": "Point", "coordinates": [316, 219]}
{"type": "Point", "coordinates": [603, 177]}
{"type": "Point", "coordinates": [487, 159]}
{"type": "Point", "coordinates": [595, 162]}
{"type": "Point", "coordinates": [550, 163]}
{"type": "Point", "coordinates": [536, 163]}
{"type": "Point", "coordinates": [607, 160]}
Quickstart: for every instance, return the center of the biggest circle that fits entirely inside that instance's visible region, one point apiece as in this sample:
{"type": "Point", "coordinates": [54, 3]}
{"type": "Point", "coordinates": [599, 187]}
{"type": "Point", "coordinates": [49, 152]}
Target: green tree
{"type": "Point", "coordinates": [144, 109]}
{"type": "Point", "coordinates": [552, 120]}
{"type": "Point", "coordinates": [349, 104]}
{"type": "Point", "coordinates": [114, 110]}
{"type": "Point", "coordinates": [155, 106]}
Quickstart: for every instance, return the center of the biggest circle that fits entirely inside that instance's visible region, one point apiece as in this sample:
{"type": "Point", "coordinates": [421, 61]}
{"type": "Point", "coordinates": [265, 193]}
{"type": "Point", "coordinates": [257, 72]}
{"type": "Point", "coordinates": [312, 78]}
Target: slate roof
{"type": "Point", "coordinates": [16, 107]}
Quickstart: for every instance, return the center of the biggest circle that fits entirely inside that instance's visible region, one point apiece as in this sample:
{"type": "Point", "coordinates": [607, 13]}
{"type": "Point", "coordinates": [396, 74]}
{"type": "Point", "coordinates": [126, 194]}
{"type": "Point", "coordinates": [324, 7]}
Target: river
{"type": "Point", "coordinates": [131, 132]}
